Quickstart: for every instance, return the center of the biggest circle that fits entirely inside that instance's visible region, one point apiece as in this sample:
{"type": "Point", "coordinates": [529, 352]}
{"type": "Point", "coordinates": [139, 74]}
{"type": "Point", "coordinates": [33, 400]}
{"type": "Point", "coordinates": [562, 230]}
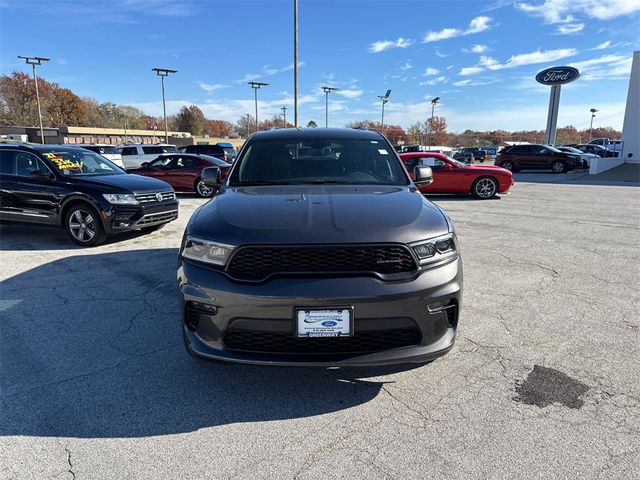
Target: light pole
{"type": "Point", "coordinates": [384, 98]}
{"type": "Point", "coordinates": [33, 61]}
{"type": "Point", "coordinates": [284, 115]}
{"type": "Point", "coordinates": [433, 108]}
{"type": "Point", "coordinates": [593, 114]}
{"type": "Point", "coordinates": [295, 63]}
{"type": "Point", "coordinates": [256, 86]}
{"type": "Point", "coordinates": [164, 72]}
{"type": "Point", "coordinates": [326, 91]}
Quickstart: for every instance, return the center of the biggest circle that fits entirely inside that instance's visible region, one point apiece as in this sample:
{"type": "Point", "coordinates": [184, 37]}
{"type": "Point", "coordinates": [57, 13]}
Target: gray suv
{"type": "Point", "coordinates": [318, 249]}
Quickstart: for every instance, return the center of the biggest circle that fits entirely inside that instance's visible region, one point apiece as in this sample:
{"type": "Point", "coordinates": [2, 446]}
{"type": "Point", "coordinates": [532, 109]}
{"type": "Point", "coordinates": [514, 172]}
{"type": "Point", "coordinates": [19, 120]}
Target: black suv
{"type": "Point", "coordinates": [470, 154]}
{"type": "Point", "coordinates": [537, 157]}
{"type": "Point", "coordinates": [228, 154]}
{"type": "Point", "coordinates": [81, 191]}
{"type": "Point", "coordinates": [318, 249]}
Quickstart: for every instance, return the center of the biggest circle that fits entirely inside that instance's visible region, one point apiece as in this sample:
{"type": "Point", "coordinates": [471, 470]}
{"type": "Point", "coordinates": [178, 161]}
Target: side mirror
{"type": "Point", "coordinates": [211, 176]}
{"type": "Point", "coordinates": [422, 176]}
{"type": "Point", "coordinates": [447, 166]}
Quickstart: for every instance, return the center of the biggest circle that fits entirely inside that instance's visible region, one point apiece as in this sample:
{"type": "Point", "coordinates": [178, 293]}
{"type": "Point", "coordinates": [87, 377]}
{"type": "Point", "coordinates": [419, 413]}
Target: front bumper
{"type": "Point", "coordinates": [381, 310]}
{"type": "Point", "coordinates": [122, 218]}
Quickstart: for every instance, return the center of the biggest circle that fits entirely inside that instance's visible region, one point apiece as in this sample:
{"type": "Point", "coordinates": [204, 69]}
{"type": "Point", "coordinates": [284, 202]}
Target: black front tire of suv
{"type": "Point", "coordinates": [83, 225]}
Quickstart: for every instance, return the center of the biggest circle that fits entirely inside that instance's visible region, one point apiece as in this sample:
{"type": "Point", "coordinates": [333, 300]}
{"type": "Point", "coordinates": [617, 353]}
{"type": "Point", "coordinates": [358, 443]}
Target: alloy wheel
{"type": "Point", "coordinates": [82, 225]}
{"type": "Point", "coordinates": [485, 188]}
{"type": "Point", "coordinates": [203, 190]}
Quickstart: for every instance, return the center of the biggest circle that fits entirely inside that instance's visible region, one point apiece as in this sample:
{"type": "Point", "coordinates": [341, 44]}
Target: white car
{"type": "Point", "coordinates": [586, 157]}
{"type": "Point", "coordinates": [107, 151]}
{"type": "Point", "coordinates": [134, 155]}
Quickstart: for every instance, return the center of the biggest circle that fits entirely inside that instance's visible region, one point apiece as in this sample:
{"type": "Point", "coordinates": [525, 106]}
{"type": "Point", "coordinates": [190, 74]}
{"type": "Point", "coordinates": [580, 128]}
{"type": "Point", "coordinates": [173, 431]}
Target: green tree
{"type": "Point", "coordinates": [312, 124]}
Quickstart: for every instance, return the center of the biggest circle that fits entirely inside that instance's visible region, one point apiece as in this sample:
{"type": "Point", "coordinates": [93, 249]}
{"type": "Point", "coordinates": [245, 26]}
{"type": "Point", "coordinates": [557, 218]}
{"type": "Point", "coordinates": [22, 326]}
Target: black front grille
{"type": "Point", "coordinates": [155, 196]}
{"type": "Point", "coordinates": [286, 343]}
{"type": "Point", "coordinates": [265, 261]}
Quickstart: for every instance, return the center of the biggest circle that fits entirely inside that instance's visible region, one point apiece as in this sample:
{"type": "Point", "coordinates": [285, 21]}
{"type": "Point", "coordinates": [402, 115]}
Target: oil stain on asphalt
{"type": "Point", "coordinates": [545, 386]}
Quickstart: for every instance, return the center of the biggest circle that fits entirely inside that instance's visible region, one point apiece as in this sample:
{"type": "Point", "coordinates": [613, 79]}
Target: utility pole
{"type": "Point", "coordinates": [33, 61]}
{"type": "Point", "coordinates": [385, 99]}
{"type": "Point", "coordinates": [433, 108]}
{"type": "Point", "coordinates": [256, 86]}
{"type": "Point", "coordinates": [593, 114]}
{"type": "Point", "coordinates": [295, 63]}
{"type": "Point", "coordinates": [284, 115]}
{"type": "Point", "coordinates": [164, 72]}
{"type": "Point", "coordinates": [327, 91]}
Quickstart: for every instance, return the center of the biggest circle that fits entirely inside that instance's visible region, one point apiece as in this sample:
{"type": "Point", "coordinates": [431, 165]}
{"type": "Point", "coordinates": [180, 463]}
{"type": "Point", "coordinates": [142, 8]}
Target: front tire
{"type": "Point", "coordinates": [484, 188]}
{"type": "Point", "coordinates": [202, 190]}
{"type": "Point", "coordinates": [558, 167]}
{"type": "Point", "coordinates": [83, 225]}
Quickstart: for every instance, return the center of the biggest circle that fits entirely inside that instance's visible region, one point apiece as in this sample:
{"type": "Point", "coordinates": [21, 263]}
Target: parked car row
{"type": "Point", "coordinates": [537, 157]}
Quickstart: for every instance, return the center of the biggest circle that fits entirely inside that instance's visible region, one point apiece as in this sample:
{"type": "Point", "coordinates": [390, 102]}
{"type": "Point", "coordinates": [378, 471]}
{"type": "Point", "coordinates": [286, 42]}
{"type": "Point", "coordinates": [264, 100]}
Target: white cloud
{"type": "Point", "coordinates": [382, 45]}
{"type": "Point", "coordinates": [561, 11]}
{"type": "Point", "coordinates": [473, 83]}
{"type": "Point", "coordinates": [350, 93]}
{"type": "Point", "coordinates": [531, 58]}
{"type": "Point", "coordinates": [268, 71]}
{"type": "Point", "coordinates": [569, 28]}
{"type": "Point", "coordinates": [439, 54]}
{"type": "Point", "coordinates": [406, 66]}
{"type": "Point", "coordinates": [606, 67]}
{"type": "Point", "coordinates": [430, 71]}
{"type": "Point", "coordinates": [477, 48]}
{"type": "Point", "coordinates": [209, 88]}
{"type": "Point", "coordinates": [435, 81]}
{"type": "Point", "coordinates": [602, 46]}
{"type": "Point", "coordinates": [470, 71]}
{"type": "Point", "coordinates": [477, 25]}
{"type": "Point", "coordinates": [449, 67]}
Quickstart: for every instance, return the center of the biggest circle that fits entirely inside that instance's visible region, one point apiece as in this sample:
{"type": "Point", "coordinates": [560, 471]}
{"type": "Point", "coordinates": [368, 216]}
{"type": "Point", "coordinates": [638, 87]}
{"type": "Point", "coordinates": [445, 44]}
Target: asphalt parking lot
{"type": "Point", "coordinates": [543, 382]}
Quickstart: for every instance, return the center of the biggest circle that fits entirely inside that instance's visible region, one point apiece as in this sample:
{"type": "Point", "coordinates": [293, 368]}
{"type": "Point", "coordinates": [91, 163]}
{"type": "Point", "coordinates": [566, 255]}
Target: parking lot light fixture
{"type": "Point", "coordinates": [327, 91]}
{"type": "Point", "coordinates": [433, 109]}
{"type": "Point", "coordinates": [384, 98]}
{"type": "Point", "coordinates": [33, 61]}
{"type": "Point", "coordinates": [593, 114]}
{"type": "Point", "coordinates": [164, 72]}
{"type": "Point", "coordinates": [256, 86]}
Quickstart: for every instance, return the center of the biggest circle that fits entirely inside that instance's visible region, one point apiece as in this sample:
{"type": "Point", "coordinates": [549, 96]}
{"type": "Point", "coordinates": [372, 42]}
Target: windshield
{"type": "Point", "coordinates": [319, 161]}
{"type": "Point", "coordinates": [458, 163]}
{"type": "Point", "coordinates": [570, 149]}
{"type": "Point", "coordinates": [81, 162]}
{"type": "Point", "coordinates": [102, 150]}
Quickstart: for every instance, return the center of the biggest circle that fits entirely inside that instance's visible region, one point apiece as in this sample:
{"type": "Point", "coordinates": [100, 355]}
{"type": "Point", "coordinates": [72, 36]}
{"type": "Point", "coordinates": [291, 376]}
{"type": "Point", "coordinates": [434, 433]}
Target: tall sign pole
{"type": "Point", "coordinates": [555, 77]}
{"type": "Point", "coordinates": [295, 63]}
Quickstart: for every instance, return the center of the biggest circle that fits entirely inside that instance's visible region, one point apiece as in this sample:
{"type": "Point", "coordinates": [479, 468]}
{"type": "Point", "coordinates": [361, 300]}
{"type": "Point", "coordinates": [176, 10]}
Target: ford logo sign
{"type": "Point", "coordinates": [328, 323]}
{"type": "Point", "coordinates": [557, 75]}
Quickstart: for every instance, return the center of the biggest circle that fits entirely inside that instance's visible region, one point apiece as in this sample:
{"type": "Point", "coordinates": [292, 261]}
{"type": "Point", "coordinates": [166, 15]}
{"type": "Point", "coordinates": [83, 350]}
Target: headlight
{"type": "Point", "coordinates": [206, 251]}
{"type": "Point", "coordinates": [436, 249]}
{"type": "Point", "coordinates": [120, 198]}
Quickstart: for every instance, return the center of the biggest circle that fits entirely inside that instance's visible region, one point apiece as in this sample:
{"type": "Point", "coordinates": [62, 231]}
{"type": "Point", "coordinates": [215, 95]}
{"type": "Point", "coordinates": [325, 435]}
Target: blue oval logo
{"type": "Point", "coordinates": [329, 323]}
{"type": "Point", "coordinates": [557, 75]}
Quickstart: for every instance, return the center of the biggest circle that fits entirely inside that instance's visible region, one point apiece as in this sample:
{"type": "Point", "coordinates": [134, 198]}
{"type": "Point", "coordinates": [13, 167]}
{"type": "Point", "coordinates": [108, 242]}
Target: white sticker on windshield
{"type": "Point", "coordinates": [382, 151]}
{"type": "Point", "coordinates": [374, 141]}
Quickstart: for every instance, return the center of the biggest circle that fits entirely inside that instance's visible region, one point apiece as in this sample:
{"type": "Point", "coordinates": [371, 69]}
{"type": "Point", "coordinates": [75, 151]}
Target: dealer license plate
{"type": "Point", "coordinates": [312, 322]}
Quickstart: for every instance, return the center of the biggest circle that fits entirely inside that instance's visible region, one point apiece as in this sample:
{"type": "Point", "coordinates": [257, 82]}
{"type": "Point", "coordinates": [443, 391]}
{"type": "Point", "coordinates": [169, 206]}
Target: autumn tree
{"type": "Point", "coordinates": [65, 108]}
{"type": "Point", "coordinates": [191, 119]}
{"type": "Point", "coordinates": [437, 128]}
{"type": "Point", "coordinates": [245, 126]}
{"type": "Point", "coordinates": [219, 128]}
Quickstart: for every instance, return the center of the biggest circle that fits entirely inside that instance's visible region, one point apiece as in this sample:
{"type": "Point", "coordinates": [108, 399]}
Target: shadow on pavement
{"type": "Point", "coordinates": [91, 347]}
{"type": "Point", "coordinates": [17, 236]}
{"type": "Point", "coordinates": [626, 175]}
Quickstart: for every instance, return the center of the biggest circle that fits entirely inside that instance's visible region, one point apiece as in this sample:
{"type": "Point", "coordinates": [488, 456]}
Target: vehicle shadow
{"type": "Point", "coordinates": [626, 175]}
{"type": "Point", "coordinates": [18, 236]}
{"type": "Point", "coordinates": [91, 347]}
{"type": "Point", "coordinates": [434, 197]}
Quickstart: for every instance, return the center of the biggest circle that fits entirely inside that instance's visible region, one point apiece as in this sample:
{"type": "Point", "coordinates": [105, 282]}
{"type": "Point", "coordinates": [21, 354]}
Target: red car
{"type": "Point", "coordinates": [452, 176]}
{"type": "Point", "coordinates": [183, 171]}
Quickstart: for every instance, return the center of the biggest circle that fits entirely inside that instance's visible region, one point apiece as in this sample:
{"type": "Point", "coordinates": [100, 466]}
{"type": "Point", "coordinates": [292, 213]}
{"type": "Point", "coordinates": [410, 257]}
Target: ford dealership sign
{"type": "Point", "coordinates": [557, 75]}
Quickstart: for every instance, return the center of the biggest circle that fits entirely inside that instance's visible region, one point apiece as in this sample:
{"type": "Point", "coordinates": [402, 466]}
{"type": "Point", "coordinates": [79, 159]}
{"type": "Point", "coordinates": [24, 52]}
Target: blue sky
{"type": "Point", "coordinates": [480, 57]}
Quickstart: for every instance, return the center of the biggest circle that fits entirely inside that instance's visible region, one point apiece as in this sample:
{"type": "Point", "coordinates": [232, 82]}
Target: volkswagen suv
{"type": "Point", "coordinates": [318, 249]}
{"type": "Point", "coordinates": [86, 194]}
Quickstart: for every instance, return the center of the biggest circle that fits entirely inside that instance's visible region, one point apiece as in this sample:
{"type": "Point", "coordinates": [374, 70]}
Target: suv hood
{"type": "Point", "coordinates": [128, 182]}
{"type": "Point", "coordinates": [318, 214]}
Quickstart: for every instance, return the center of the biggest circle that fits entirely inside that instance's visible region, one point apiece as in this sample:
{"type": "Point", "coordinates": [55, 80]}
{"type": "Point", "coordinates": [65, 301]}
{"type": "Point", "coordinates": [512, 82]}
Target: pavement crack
{"type": "Point", "coordinates": [69, 463]}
